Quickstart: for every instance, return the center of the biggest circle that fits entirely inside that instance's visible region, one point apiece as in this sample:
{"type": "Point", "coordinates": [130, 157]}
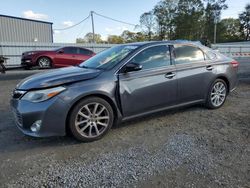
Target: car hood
{"type": "Point", "coordinates": [57, 77]}
{"type": "Point", "coordinates": [37, 51]}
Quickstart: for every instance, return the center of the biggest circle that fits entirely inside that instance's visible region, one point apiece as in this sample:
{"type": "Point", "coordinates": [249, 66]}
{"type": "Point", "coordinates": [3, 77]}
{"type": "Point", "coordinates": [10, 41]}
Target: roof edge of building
{"type": "Point", "coordinates": [14, 17]}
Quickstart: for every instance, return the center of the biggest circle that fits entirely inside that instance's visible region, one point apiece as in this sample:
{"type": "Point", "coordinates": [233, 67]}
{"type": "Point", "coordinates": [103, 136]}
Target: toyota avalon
{"type": "Point", "coordinates": [121, 83]}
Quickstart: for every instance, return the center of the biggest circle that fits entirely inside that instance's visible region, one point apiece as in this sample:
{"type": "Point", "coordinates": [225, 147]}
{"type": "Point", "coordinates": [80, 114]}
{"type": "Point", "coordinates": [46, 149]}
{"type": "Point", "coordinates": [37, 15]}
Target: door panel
{"type": "Point", "coordinates": [81, 58]}
{"type": "Point", "coordinates": [151, 88]}
{"type": "Point", "coordinates": [191, 73]}
{"type": "Point", "coordinates": [147, 90]}
{"type": "Point", "coordinates": [64, 60]}
{"type": "Point", "coordinates": [82, 55]}
{"type": "Point", "coordinates": [191, 82]}
{"type": "Point", "coordinates": [67, 58]}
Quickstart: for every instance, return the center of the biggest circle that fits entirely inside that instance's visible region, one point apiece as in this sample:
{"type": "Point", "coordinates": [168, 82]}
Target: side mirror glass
{"type": "Point", "coordinates": [132, 67]}
{"type": "Point", "coordinates": [60, 51]}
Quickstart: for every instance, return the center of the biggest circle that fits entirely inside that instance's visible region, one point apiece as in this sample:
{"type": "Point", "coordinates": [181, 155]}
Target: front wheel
{"type": "Point", "coordinates": [91, 119]}
{"type": "Point", "coordinates": [217, 94]}
{"type": "Point", "coordinates": [44, 63]}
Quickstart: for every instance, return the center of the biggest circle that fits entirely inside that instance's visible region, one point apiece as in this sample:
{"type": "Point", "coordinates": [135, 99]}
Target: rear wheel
{"type": "Point", "coordinates": [44, 63]}
{"type": "Point", "coordinates": [217, 94]}
{"type": "Point", "coordinates": [91, 119]}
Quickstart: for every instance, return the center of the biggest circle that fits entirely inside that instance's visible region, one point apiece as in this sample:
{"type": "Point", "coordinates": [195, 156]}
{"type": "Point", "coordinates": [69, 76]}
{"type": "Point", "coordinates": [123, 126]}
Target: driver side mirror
{"type": "Point", "coordinates": [130, 67]}
{"type": "Point", "coordinates": [60, 51]}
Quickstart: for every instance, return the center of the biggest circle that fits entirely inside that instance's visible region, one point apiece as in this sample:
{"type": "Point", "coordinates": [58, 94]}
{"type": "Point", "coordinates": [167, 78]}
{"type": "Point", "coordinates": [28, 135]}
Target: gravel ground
{"type": "Point", "coordinates": [187, 147]}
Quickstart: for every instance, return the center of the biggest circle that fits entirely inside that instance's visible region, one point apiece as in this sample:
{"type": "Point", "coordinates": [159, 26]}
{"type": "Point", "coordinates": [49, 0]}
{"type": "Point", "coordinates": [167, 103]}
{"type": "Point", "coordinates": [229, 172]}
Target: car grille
{"type": "Point", "coordinates": [17, 94]}
{"type": "Point", "coordinates": [18, 117]}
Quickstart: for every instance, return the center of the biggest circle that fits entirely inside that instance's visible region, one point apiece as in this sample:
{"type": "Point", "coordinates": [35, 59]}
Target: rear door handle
{"type": "Point", "coordinates": [169, 75]}
{"type": "Point", "coordinates": [209, 67]}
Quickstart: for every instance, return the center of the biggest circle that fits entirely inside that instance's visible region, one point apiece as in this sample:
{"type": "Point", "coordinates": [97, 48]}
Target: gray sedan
{"type": "Point", "coordinates": [121, 83]}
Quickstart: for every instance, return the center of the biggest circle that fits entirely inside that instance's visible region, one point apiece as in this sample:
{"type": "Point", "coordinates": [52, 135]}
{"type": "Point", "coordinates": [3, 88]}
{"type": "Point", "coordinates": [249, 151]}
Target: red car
{"type": "Point", "coordinates": [63, 57]}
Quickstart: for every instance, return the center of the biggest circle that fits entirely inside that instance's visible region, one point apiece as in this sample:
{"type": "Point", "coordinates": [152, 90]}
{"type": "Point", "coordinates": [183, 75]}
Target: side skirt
{"type": "Point", "coordinates": [163, 109]}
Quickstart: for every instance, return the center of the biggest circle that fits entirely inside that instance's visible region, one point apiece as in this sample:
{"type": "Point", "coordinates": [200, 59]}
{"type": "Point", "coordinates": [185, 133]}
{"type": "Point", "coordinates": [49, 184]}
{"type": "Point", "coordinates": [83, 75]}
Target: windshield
{"type": "Point", "coordinates": [108, 58]}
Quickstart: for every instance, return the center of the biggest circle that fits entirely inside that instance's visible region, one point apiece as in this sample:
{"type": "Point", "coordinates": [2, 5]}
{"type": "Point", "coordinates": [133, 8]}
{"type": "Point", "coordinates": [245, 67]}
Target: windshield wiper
{"type": "Point", "coordinates": [83, 66]}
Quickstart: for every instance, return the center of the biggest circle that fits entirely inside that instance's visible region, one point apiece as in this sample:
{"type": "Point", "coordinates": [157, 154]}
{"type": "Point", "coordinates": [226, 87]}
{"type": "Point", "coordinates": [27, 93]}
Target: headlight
{"type": "Point", "coordinates": [42, 95]}
{"type": "Point", "coordinates": [31, 53]}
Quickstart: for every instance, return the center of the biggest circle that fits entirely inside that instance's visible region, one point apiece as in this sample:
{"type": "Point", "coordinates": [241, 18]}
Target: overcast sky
{"type": "Point", "coordinates": [64, 13]}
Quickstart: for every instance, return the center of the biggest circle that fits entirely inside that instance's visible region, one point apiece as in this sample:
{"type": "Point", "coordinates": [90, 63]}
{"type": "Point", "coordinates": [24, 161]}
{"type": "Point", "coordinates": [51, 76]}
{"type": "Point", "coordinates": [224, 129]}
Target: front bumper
{"type": "Point", "coordinates": [26, 61]}
{"type": "Point", "coordinates": [52, 113]}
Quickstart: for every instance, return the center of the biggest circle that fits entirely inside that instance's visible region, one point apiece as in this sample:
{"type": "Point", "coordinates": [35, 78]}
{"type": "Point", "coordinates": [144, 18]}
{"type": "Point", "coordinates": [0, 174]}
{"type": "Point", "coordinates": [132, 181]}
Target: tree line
{"type": "Point", "coordinates": [185, 19]}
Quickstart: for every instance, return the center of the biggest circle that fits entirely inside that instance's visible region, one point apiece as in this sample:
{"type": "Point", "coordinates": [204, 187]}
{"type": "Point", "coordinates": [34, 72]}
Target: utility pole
{"type": "Point", "coordinates": [215, 30]}
{"type": "Point", "coordinates": [216, 19]}
{"type": "Point", "coordinates": [93, 25]}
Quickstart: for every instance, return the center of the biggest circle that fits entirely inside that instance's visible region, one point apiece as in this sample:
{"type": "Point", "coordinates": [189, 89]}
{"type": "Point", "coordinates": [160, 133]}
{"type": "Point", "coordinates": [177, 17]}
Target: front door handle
{"type": "Point", "coordinates": [209, 67]}
{"type": "Point", "coordinates": [169, 75]}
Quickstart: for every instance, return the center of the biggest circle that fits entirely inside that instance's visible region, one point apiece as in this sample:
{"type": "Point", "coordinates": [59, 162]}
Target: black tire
{"type": "Point", "coordinates": [209, 101]}
{"type": "Point", "coordinates": [27, 68]}
{"type": "Point", "coordinates": [44, 63]}
{"type": "Point", "coordinates": [92, 124]}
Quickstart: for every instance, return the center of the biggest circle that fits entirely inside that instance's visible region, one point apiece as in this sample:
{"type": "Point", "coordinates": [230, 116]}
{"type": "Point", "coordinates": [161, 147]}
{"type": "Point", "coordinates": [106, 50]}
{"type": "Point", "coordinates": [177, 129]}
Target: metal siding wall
{"type": "Point", "coordinates": [236, 50]}
{"type": "Point", "coordinates": [18, 30]}
{"type": "Point", "coordinates": [14, 50]}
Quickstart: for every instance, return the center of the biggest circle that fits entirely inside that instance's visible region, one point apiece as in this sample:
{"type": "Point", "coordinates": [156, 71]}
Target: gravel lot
{"type": "Point", "coordinates": [187, 147]}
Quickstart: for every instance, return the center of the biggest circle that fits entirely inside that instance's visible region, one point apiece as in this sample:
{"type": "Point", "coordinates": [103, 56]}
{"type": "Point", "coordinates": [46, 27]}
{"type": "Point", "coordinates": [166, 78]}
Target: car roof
{"type": "Point", "coordinates": [76, 47]}
{"type": "Point", "coordinates": [197, 43]}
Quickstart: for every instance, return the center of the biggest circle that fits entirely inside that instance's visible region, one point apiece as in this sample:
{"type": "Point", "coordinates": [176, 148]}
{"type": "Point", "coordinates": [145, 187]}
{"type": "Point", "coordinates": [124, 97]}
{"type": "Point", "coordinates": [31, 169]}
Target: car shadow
{"type": "Point", "coordinates": [159, 115]}
{"type": "Point", "coordinates": [12, 140]}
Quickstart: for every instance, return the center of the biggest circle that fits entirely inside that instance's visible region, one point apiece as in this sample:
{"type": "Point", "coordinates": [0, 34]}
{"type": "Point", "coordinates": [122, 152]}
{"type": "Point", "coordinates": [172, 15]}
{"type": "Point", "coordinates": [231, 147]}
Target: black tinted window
{"type": "Point", "coordinates": [153, 57]}
{"type": "Point", "coordinates": [188, 54]}
{"type": "Point", "coordinates": [84, 51]}
{"type": "Point", "coordinates": [70, 50]}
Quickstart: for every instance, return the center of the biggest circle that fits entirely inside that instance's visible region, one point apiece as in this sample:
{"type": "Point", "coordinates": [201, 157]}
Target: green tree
{"type": "Point", "coordinates": [115, 39]}
{"type": "Point", "coordinates": [80, 40]}
{"type": "Point", "coordinates": [147, 23]}
{"type": "Point", "coordinates": [189, 20]}
{"type": "Point", "coordinates": [213, 12]}
{"type": "Point", "coordinates": [88, 38]}
{"type": "Point", "coordinates": [165, 13]}
{"type": "Point", "coordinates": [229, 30]}
{"type": "Point", "coordinates": [129, 36]}
{"type": "Point", "coordinates": [245, 22]}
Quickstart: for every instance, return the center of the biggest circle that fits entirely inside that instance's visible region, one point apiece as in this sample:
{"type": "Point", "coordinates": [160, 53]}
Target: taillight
{"type": "Point", "coordinates": [235, 64]}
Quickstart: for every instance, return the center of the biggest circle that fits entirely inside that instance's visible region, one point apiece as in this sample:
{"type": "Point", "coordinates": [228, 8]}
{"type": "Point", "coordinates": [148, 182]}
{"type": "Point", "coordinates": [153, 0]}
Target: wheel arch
{"type": "Point", "coordinates": [222, 77]}
{"type": "Point", "coordinates": [41, 56]}
{"type": "Point", "coordinates": [208, 103]}
{"type": "Point", "coordinates": [225, 79]}
{"type": "Point", "coordinates": [99, 95]}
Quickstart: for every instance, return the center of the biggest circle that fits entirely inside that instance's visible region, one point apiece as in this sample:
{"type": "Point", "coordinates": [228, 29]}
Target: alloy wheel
{"type": "Point", "coordinates": [44, 62]}
{"type": "Point", "coordinates": [92, 120]}
{"type": "Point", "coordinates": [218, 94]}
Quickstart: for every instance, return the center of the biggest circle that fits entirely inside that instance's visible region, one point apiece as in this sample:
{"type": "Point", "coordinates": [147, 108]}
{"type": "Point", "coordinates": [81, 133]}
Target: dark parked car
{"type": "Point", "coordinates": [62, 57]}
{"type": "Point", "coordinates": [121, 83]}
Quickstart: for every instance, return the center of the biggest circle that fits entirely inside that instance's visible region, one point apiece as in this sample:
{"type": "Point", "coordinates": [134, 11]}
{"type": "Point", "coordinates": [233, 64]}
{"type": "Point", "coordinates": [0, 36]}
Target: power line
{"type": "Point", "coordinates": [66, 28]}
{"type": "Point", "coordinates": [81, 30]}
{"type": "Point", "coordinates": [74, 24]}
{"type": "Point", "coordinates": [114, 19]}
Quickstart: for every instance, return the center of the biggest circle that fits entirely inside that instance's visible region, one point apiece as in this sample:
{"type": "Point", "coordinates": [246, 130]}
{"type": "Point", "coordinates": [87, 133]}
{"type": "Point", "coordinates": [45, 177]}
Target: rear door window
{"type": "Point", "coordinates": [82, 51]}
{"type": "Point", "coordinates": [70, 50]}
{"type": "Point", "coordinates": [188, 54]}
